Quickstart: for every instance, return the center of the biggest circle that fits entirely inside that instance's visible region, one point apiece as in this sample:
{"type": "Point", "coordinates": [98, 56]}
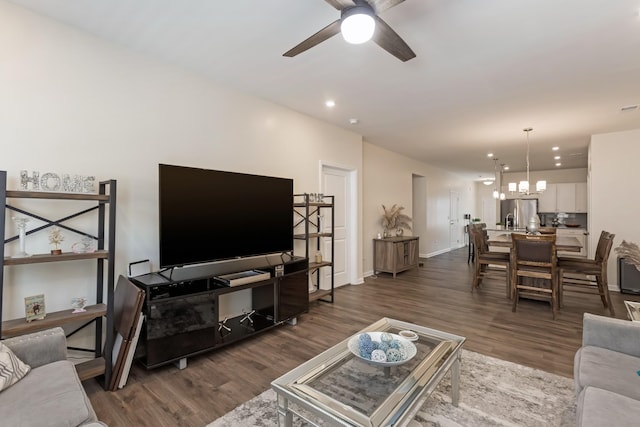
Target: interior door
{"type": "Point", "coordinates": [454, 220]}
{"type": "Point", "coordinates": [335, 182]}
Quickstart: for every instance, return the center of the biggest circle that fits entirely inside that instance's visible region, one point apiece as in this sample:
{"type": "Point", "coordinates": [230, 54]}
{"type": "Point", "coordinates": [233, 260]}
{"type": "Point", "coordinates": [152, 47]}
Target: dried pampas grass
{"type": "Point", "coordinates": [630, 252]}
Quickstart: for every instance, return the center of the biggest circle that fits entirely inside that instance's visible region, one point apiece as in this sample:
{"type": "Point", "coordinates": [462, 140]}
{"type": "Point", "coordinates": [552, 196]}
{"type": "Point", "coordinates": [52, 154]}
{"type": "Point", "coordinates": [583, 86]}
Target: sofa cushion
{"type": "Point", "coordinates": [597, 407]}
{"type": "Point", "coordinates": [51, 395]}
{"type": "Point", "coordinates": [12, 369]}
{"type": "Point", "coordinates": [608, 370]}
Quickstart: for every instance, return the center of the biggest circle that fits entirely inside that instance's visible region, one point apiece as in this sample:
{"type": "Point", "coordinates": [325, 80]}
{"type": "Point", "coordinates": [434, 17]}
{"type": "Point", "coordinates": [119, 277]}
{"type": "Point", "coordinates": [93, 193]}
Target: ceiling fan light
{"type": "Point", "coordinates": [357, 25]}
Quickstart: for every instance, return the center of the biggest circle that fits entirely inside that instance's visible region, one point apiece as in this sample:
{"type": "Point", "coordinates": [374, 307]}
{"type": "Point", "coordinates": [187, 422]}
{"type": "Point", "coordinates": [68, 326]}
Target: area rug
{"type": "Point", "coordinates": [493, 392]}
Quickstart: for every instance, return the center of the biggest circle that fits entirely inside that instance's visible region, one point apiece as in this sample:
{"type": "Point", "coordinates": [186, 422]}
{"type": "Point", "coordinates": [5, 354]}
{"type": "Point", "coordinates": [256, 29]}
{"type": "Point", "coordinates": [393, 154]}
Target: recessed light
{"type": "Point", "coordinates": [555, 148]}
{"type": "Point", "coordinates": [556, 158]}
{"type": "Point", "coordinates": [558, 164]}
{"type": "Point", "coordinates": [354, 121]}
{"type": "Point", "coordinates": [490, 155]}
{"type": "Point", "coordinates": [505, 168]}
{"type": "Point", "coordinates": [330, 103]}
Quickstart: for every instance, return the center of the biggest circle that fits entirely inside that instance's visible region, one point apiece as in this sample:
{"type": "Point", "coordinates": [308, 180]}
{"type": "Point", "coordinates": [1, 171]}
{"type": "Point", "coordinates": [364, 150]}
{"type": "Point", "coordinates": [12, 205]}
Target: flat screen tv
{"type": "Point", "coordinates": [210, 215]}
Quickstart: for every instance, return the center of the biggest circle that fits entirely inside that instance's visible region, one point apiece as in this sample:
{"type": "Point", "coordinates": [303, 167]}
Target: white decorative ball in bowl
{"type": "Point", "coordinates": [382, 348]}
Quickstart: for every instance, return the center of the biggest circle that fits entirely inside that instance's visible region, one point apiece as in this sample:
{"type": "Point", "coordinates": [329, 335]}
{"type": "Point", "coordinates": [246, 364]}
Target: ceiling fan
{"type": "Point", "coordinates": [365, 11]}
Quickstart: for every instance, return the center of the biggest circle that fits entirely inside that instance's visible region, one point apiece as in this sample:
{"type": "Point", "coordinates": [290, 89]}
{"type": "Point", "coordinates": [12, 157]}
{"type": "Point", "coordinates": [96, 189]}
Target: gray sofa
{"type": "Point", "coordinates": [51, 394]}
{"type": "Point", "coordinates": [606, 371]}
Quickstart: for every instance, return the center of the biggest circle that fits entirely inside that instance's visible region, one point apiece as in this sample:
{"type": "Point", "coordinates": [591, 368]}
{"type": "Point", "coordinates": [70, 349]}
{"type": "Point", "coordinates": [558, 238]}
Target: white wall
{"type": "Point", "coordinates": [613, 205]}
{"type": "Point", "coordinates": [72, 103]}
{"type": "Point", "coordinates": [75, 104]}
{"type": "Point", "coordinates": [388, 178]}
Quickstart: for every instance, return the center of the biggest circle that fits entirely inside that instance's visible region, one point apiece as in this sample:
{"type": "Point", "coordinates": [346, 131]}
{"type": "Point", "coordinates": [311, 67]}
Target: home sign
{"type": "Point", "coordinates": [51, 181]}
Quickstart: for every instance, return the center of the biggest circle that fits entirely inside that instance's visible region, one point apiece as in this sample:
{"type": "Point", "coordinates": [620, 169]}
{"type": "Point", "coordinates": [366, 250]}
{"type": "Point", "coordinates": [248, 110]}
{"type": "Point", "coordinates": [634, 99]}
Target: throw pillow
{"type": "Point", "coordinates": [12, 369]}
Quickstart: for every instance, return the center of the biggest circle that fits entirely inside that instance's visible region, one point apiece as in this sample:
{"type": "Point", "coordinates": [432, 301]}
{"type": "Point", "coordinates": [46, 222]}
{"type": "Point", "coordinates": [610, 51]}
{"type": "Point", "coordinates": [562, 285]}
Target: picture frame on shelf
{"type": "Point", "coordinates": [34, 307]}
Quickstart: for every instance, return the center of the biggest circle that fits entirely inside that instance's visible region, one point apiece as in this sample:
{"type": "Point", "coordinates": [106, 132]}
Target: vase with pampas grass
{"type": "Point", "coordinates": [630, 252]}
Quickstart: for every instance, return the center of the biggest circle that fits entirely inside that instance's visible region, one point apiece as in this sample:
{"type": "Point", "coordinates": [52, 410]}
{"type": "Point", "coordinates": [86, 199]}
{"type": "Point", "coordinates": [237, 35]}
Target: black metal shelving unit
{"type": "Point", "coordinates": [308, 215]}
{"type": "Point", "coordinates": [100, 313]}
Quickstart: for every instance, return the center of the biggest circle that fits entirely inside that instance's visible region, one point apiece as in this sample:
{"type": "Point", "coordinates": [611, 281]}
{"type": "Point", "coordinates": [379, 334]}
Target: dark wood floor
{"type": "Point", "coordinates": [436, 295]}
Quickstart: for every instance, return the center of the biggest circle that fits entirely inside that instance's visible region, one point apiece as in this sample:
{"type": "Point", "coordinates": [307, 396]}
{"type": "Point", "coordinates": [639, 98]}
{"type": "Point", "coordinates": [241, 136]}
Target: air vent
{"type": "Point", "coordinates": [629, 108]}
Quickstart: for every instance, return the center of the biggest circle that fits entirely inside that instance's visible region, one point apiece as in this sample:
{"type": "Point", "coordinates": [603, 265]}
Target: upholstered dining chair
{"type": "Point", "coordinates": [484, 259]}
{"type": "Point", "coordinates": [534, 269]}
{"type": "Point", "coordinates": [588, 275]}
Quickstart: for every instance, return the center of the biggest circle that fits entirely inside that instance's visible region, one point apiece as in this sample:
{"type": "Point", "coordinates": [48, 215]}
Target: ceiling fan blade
{"type": "Point", "coordinates": [322, 35]}
{"type": "Point", "coordinates": [381, 5]}
{"type": "Point", "coordinates": [341, 4]}
{"type": "Point", "coordinates": [390, 41]}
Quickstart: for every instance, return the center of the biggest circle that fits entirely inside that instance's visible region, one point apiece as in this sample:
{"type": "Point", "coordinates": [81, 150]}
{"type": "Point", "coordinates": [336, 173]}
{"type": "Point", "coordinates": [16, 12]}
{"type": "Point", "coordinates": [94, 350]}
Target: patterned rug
{"type": "Point", "coordinates": [493, 392]}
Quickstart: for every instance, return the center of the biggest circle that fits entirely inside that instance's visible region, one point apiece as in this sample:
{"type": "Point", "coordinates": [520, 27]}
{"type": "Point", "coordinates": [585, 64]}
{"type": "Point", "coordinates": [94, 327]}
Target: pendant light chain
{"type": "Point", "coordinates": [527, 130]}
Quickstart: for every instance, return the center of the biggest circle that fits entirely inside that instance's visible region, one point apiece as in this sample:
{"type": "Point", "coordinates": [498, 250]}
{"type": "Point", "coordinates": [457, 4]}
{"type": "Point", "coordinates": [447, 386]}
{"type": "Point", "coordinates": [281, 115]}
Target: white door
{"type": "Point", "coordinates": [454, 221]}
{"type": "Point", "coordinates": [336, 182]}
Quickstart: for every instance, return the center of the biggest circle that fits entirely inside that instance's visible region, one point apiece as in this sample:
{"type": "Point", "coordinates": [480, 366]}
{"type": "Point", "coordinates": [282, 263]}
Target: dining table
{"type": "Point", "coordinates": [563, 243]}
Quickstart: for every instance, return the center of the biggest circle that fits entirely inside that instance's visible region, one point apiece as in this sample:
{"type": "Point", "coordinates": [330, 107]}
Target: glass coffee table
{"type": "Point", "coordinates": [338, 388]}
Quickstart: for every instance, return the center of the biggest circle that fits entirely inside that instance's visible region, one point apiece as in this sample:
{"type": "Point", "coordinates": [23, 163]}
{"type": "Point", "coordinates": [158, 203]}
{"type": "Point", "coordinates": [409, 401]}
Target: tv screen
{"type": "Point", "coordinates": [209, 215]}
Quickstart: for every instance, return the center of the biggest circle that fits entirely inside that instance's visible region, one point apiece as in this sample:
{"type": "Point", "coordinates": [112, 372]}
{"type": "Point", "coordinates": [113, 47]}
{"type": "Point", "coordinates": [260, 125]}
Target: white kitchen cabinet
{"type": "Point", "coordinates": [581, 197]}
{"type": "Point", "coordinates": [547, 199]}
{"type": "Point", "coordinates": [566, 197]}
{"type": "Point", "coordinates": [578, 233]}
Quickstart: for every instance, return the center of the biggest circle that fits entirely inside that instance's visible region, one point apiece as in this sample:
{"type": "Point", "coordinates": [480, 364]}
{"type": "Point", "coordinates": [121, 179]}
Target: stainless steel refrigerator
{"type": "Point", "coordinates": [521, 210]}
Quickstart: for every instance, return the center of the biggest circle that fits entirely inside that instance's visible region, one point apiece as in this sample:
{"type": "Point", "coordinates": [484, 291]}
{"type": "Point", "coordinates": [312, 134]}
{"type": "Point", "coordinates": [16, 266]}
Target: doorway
{"type": "Point", "coordinates": [454, 220]}
{"type": "Point", "coordinates": [341, 183]}
{"type": "Point", "coordinates": [419, 212]}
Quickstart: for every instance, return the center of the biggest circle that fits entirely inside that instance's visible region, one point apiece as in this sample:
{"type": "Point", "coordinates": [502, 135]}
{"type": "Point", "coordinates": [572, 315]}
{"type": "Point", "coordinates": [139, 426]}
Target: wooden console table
{"type": "Point", "coordinates": [395, 254]}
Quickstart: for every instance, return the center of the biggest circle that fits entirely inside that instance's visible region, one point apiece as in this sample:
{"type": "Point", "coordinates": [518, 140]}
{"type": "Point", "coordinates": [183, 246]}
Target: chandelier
{"type": "Point", "coordinates": [523, 186]}
{"type": "Point", "coordinates": [497, 194]}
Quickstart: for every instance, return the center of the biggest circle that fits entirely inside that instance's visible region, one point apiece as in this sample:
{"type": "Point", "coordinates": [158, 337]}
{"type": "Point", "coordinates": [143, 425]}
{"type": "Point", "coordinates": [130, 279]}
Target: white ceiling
{"type": "Point", "coordinates": [485, 69]}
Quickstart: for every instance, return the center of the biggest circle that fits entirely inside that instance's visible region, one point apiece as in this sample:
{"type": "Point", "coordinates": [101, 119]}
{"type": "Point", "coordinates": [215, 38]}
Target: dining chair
{"type": "Point", "coordinates": [534, 272]}
{"type": "Point", "coordinates": [588, 275]}
{"type": "Point", "coordinates": [478, 226]}
{"type": "Point", "coordinates": [485, 261]}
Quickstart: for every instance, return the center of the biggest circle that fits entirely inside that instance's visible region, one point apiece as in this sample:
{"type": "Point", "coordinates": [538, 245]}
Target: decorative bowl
{"type": "Point", "coordinates": [408, 349]}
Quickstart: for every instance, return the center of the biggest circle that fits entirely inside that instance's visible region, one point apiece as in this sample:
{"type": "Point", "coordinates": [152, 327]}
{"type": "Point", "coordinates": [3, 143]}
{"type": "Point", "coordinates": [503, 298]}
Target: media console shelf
{"type": "Point", "coordinates": [182, 306]}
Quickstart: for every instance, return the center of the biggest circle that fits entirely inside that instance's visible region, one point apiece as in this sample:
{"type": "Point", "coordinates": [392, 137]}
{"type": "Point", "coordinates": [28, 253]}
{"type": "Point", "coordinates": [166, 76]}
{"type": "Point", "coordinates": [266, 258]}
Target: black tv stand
{"type": "Point", "coordinates": [182, 311]}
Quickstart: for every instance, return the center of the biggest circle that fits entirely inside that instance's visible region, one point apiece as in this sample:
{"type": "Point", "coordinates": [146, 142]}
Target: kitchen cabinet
{"type": "Point", "coordinates": [547, 199]}
{"type": "Point", "coordinates": [582, 204]}
{"type": "Point", "coordinates": [564, 197]}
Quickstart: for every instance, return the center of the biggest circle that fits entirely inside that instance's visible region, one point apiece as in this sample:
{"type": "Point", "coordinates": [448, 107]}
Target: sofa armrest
{"type": "Point", "coordinates": [39, 348]}
{"type": "Point", "coordinates": [618, 335]}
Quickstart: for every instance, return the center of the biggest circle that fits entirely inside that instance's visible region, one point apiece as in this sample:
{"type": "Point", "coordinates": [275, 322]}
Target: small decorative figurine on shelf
{"type": "Point", "coordinates": [79, 303]}
{"type": "Point", "coordinates": [84, 246]}
{"type": "Point", "coordinates": [22, 230]}
{"type": "Point", "coordinates": [55, 238]}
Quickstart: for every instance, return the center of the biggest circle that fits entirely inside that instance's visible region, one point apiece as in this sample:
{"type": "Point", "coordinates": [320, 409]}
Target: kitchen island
{"type": "Point", "coordinates": [562, 231]}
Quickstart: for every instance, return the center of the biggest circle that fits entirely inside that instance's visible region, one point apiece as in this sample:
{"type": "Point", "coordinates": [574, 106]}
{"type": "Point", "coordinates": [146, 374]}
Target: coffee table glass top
{"type": "Point", "coordinates": [337, 385]}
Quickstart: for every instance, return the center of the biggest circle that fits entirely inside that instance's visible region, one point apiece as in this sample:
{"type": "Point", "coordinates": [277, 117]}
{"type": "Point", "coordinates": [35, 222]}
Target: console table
{"type": "Point", "coordinates": [182, 309]}
{"type": "Point", "coordinates": [395, 254]}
